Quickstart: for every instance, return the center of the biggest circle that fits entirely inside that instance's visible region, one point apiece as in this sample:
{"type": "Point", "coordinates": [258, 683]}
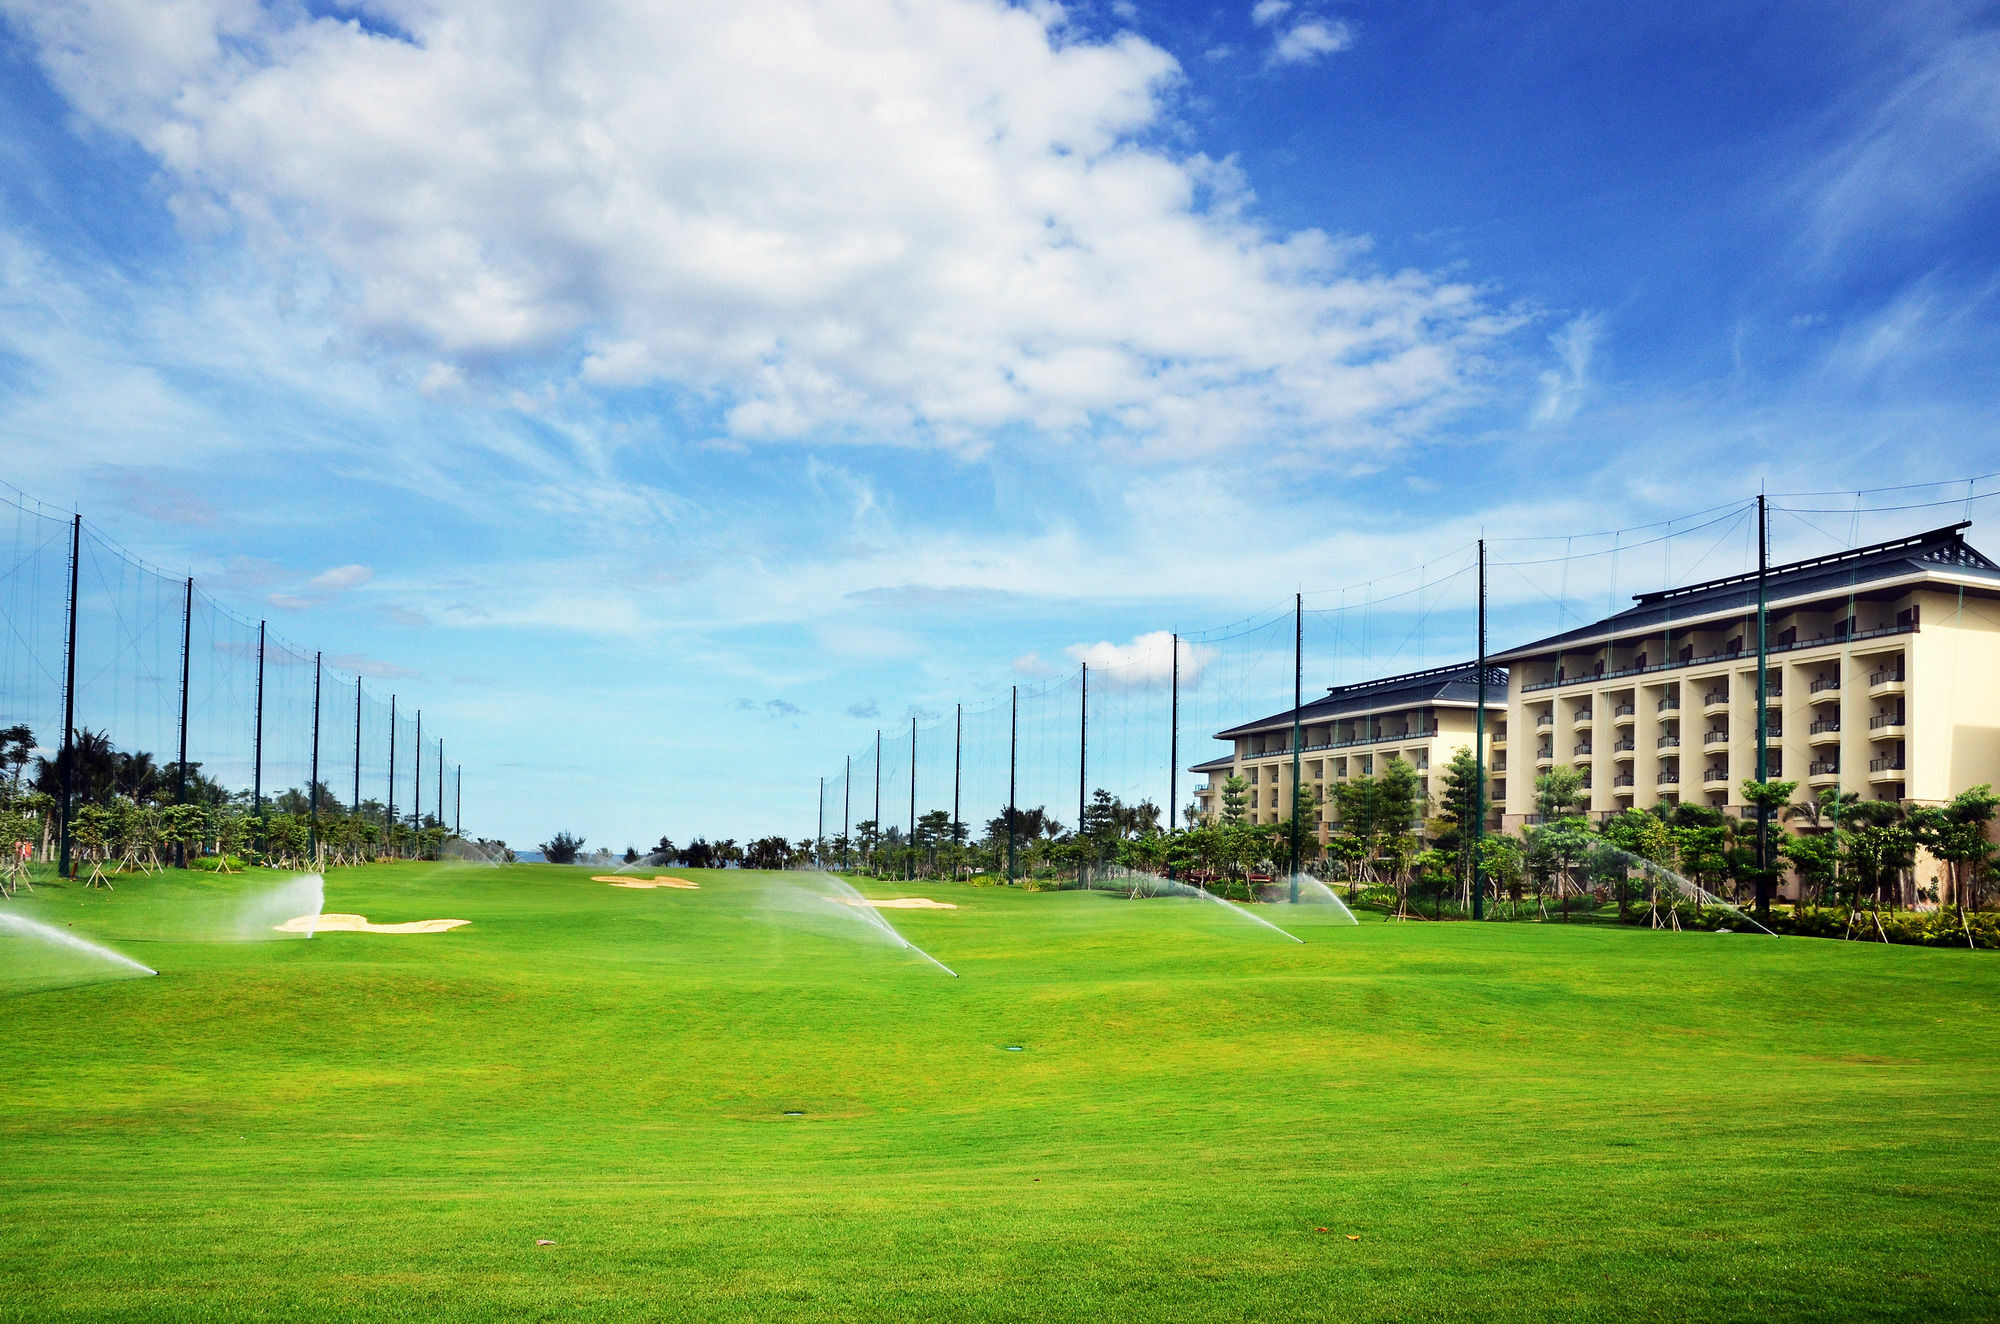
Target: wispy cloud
{"type": "Point", "coordinates": [1563, 386]}
{"type": "Point", "coordinates": [323, 587]}
{"type": "Point", "coordinates": [372, 668]}
{"type": "Point", "coordinates": [1927, 143]}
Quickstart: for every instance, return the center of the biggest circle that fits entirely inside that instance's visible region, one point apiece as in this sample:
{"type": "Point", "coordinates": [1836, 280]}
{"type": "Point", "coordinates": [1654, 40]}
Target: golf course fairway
{"type": "Point", "coordinates": [735, 1100]}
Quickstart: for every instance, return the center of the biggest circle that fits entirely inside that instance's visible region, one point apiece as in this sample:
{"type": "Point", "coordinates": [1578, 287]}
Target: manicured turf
{"type": "Point", "coordinates": [1517, 1121]}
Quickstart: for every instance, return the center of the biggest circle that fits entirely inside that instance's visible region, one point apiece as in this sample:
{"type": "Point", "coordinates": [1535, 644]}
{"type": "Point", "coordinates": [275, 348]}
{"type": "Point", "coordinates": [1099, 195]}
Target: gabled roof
{"type": "Point", "coordinates": [1919, 556]}
{"type": "Point", "coordinates": [1456, 685]}
{"type": "Point", "coordinates": [1215, 765]}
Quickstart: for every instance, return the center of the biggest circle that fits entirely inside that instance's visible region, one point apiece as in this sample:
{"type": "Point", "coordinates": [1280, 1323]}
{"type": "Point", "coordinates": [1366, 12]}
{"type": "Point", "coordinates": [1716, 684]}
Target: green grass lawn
{"type": "Point", "coordinates": [1517, 1121]}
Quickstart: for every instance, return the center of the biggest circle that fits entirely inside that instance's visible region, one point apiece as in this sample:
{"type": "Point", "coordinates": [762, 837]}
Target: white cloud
{"type": "Point", "coordinates": [341, 578]}
{"type": "Point", "coordinates": [1147, 660]}
{"type": "Point", "coordinates": [1266, 12]}
{"type": "Point", "coordinates": [928, 224]}
{"type": "Point", "coordinates": [1309, 40]}
{"type": "Point", "coordinates": [1563, 386]}
{"type": "Point", "coordinates": [323, 587]}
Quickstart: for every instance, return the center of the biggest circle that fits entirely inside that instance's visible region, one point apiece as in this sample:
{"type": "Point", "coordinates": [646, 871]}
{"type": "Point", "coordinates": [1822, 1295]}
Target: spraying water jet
{"type": "Point", "coordinates": [62, 953]}
{"type": "Point", "coordinates": [1136, 884]}
{"type": "Point", "coordinates": [839, 895]}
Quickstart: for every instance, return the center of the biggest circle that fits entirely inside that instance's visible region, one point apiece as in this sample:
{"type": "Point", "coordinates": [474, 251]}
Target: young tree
{"type": "Point", "coordinates": [1235, 796]}
{"type": "Point", "coordinates": [563, 848]}
{"type": "Point", "coordinates": [1880, 846]}
{"type": "Point", "coordinates": [1458, 808]}
{"type": "Point", "coordinates": [1815, 857]}
{"type": "Point", "coordinates": [1559, 841]}
{"type": "Point", "coordinates": [1956, 833]}
{"type": "Point", "coordinates": [1770, 798]}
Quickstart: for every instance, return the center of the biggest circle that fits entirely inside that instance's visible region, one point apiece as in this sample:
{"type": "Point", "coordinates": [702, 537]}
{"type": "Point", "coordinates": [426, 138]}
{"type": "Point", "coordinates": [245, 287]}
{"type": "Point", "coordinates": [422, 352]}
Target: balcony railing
{"type": "Point", "coordinates": [1584, 748]}
{"type": "Point", "coordinates": [1823, 767]}
{"type": "Point", "coordinates": [1582, 715]}
{"type": "Point", "coordinates": [1817, 641]}
{"type": "Point", "coordinates": [1625, 710]}
{"type": "Point", "coordinates": [1715, 775]}
{"type": "Point", "coordinates": [1544, 722]}
{"type": "Point", "coordinates": [1668, 742]}
{"type": "Point", "coordinates": [1886, 676]}
{"type": "Point", "coordinates": [1713, 697]}
{"type": "Point", "coordinates": [1624, 779]}
{"type": "Point", "coordinates": [1625, 746]}
{"type": "Point", "coordinates": [1823, 725]}
{"type": "Point", "coordinates": [1668, 779]}
{"type": "Point", "coordinates": [1383, 738]}
{"type": "Point", "coordinates": [1825, 683]}
{"type": "Point", "coordinates": [1885, 719]}
{"type": "Point", "coordinates": [1885, 765]}
{"type": "Point", "coordinates": [1546, 752]}
{"type": "Point", "coordinates": [1670, 705]}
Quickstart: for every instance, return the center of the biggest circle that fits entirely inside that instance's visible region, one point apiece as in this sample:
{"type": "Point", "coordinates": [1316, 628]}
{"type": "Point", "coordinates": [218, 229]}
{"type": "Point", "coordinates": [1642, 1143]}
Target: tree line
{"type": "Point", "coordinates": [129, 811]}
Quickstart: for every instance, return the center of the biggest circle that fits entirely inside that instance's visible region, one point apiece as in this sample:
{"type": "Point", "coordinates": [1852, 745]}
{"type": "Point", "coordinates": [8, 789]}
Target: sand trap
{"type": "Point", "coordinates": [360, 924]}
{"type": "Point", "coordinates": [623, 880]}
{"type": "Point", "coordinates": [897, 903]}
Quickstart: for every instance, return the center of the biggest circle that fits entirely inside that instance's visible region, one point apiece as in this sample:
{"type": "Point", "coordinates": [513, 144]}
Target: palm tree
{"type": "Point", "coordinates": [94, 766]}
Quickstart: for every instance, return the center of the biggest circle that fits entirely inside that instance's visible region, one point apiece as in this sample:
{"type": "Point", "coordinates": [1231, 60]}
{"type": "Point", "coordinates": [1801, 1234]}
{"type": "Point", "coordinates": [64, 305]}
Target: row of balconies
{"type": "Point", "coordinates": [1721, 651]}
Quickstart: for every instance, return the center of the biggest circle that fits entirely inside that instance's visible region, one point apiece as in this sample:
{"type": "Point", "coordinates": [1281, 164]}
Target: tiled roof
{"type": "Point", "coordinates": [1457, 684]}
{"type": "Point", "coordinates": [1937, 552]}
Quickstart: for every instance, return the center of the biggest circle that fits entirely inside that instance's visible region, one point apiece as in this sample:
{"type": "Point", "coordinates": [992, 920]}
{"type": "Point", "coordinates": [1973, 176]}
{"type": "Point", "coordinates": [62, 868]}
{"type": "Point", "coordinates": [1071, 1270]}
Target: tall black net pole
{"type": "Point", "coordinates": [870, 860]}
{"type": "Point", "coordinates": [68, 755]}
{"type": "Point", "coordinates": [1298, 701]}
{"type": "Point", "coordinates": [458, 802]}
{"type": "Point", "coordinates": [910, 861]}
{"type": "Point", "coordinates": [440, 782]}
{"type": "Point", "coordinates": [357, 744]}
{"type": "Point", "coordinates": [819, 833]}
{"type": "Point", "coordinates": [1013, 751]}
{"type": "Point", "coordinates": [1479, 757]}
{"type": "Point", "coordinates": [312, 829]}
{"type": "Point", "coordinates": [846, 806]}
{"type": "Point", "coordinates": [257, 755]}
{"type": "Point", "coordinates": [181, 759]}
{"type": "Point", "coordinates": [957, 767]}
{"type": "Point", "coordinates": [1174, 748]}
{"type": "Point", "coordinates": [1763, 713]}
{"type": "Point", "coordinates": [389, 824]}
{"type": "Point", "coordinates": [1082, 761]}
{"type": "Point", "coordinates": [417, 786]}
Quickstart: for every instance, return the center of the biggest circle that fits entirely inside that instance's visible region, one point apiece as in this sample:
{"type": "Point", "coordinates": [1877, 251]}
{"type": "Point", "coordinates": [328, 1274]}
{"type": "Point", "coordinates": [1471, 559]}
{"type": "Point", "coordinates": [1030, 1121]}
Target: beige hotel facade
{"type": "Point", "coordinates": [1883, 668]}
{"type": "Point", "coordinates": [1423, 717]}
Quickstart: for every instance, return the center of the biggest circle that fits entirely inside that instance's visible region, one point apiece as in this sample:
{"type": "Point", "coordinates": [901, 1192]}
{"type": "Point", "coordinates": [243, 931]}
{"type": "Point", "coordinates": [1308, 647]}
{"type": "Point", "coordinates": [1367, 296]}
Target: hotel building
{"type": "Point", "coordinates": [1883, 679]}
{"type": "Point", "coordinates": [1424, 717]}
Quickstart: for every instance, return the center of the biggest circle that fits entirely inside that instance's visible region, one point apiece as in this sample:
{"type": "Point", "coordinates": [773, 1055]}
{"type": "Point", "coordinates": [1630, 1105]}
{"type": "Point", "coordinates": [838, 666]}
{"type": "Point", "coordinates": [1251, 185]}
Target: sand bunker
{"type": "Point", "coordinates": [897, 903]}
{"type": "Point", "coordinates": [360, 924]}
{"type": "Point", "coordinates": [622, 880]}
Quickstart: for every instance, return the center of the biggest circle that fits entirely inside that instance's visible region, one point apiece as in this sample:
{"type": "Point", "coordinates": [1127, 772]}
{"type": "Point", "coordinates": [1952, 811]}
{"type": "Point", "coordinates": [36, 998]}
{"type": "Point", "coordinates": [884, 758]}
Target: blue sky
{"type": "Point", "coordinates": [702, 389]}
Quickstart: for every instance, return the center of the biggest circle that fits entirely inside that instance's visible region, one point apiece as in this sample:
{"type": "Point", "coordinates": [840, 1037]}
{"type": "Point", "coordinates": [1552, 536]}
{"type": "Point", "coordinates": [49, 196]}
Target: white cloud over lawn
{"type": "Point", "coordinates": [935, 224]}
